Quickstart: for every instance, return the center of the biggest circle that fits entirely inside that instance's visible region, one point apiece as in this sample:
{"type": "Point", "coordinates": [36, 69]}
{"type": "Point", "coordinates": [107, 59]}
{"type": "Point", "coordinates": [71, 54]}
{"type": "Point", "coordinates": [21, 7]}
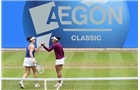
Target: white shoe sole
{"type": "Point", "coordinates": [57, 86]}
{"type": "Point", "coordinates": [21, 86]}
{"type": "Point", "coordinates": [37, 86]}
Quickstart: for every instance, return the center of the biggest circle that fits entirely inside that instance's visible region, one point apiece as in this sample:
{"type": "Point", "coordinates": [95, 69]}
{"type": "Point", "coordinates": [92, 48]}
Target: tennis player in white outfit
{"type": "Point", "coordinates": [29, 61]}
{"type": "Point", "coordinates": [60, 58]}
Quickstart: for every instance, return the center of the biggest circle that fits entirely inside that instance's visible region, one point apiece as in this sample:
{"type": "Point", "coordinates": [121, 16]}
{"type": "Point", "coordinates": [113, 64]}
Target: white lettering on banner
{"type": "Point", "coordinates": [103, 15]}
{"type": "Point", "coordinates": [60, 9]}
{"type": "Point", "coordinates": [111, 13]}
{"type": "Point", "coordinates": [81, 16]}
{"type": "Point", "coordinates": [86, 38]}
{"type": "Point", "coordinates": [44, 21]}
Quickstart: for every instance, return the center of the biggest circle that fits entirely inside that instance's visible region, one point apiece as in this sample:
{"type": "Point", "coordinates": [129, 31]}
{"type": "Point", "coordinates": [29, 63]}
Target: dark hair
{"type": "Point", "coordinates": [58, 37]}
{"type": "Point", "coordinates": [28, 38]}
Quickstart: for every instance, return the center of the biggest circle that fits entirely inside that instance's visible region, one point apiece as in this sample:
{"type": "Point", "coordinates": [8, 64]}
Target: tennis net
{"type": "Point", "coordinates": [120, 83]}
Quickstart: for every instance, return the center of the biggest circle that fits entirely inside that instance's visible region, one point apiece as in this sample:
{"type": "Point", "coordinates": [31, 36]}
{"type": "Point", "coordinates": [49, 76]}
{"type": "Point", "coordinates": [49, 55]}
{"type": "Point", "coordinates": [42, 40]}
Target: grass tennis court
{"type": "Point", "coordinates": [77, 64]}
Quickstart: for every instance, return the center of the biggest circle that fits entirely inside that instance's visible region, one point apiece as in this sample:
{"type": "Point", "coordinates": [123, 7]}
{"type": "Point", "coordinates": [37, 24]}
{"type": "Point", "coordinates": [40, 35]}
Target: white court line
{"type": "Point", "coordinates": [79, 67]}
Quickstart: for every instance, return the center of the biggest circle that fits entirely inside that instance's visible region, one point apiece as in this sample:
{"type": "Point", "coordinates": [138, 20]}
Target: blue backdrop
{"type": "Point", "coordinates": [17, 24]}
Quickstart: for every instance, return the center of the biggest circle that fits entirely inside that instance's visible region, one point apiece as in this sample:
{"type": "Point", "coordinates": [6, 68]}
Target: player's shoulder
{"type": "Point", "coordinates": [58, 44]}
{"type": "Point", "coordinates": [31, 45]}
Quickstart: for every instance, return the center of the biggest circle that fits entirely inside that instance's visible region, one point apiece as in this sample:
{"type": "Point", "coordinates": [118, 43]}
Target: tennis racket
{"type": "Point", "coordinates": [39, 68]}
{"type": "Point", "coordinates": [57, 88]}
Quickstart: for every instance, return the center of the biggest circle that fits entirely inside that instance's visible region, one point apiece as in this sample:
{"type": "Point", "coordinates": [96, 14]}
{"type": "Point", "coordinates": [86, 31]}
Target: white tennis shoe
{"type": "Point", "coordinates": [37, 85]}
{"type": "Point", "coordinates": [21, 84]}
{"type": "Point", "coordinates": [62, 82]}
{"type": "Point", "coordinates": [58, 84]}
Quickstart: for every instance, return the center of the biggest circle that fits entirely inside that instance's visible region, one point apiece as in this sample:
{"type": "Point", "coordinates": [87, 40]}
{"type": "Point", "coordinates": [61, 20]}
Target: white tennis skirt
{"type": "Point", "coordinates": [28, 62]}
{"type": "Point", "coordinates": [60, 61]}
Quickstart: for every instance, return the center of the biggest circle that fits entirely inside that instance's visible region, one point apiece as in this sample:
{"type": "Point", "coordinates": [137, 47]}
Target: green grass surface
{"type": "Point", "coordinates": [77, 65]}
{"type": "Point", "coordinates": [76, 85]}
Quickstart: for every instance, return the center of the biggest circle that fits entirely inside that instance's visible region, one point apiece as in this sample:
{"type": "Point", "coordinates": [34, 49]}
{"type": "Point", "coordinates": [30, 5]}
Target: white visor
{"type": "Point", "coordinates": [54, 38]}
{"type": "Point", "coordinates": [33, 38]}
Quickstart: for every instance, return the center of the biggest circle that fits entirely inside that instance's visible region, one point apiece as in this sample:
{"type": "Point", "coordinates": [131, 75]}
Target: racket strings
{"type": "Point", "coordinates": [39, 68]}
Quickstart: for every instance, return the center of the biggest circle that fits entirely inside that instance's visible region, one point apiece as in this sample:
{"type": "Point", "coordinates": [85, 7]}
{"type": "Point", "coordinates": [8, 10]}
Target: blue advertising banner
{"type": "Point", "coordinates": [80, 24]}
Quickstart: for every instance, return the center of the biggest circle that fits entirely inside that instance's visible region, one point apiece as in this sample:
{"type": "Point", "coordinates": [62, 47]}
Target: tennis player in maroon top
{"type": "Point", "coordinates": [59, 53]}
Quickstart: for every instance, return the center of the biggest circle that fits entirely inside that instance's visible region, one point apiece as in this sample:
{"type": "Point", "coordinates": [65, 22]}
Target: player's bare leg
{"type": "Point", "coordinates": [61, 67]}
{"type": "Point", "coordinates": [35, 76]}
{"type": "Point", "coordinates": [24, 76]}
{"type": "Point", "coordinates": [27, 72]}
{"type": "Point", "coordinates": [58, 71]}
{"type": "Point", "coordinates": [59, 75]}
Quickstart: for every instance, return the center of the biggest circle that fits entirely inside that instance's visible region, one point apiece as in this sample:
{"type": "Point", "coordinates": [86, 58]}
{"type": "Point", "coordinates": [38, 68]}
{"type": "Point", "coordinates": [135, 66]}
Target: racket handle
{"type": "Point", "coordinates": [35, 64]}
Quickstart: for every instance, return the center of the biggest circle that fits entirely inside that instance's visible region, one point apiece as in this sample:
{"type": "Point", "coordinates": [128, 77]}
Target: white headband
{"type": "Point", "coordinates": [55, 38]}
{"type": "Point", "coordinates": [32, 38]}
